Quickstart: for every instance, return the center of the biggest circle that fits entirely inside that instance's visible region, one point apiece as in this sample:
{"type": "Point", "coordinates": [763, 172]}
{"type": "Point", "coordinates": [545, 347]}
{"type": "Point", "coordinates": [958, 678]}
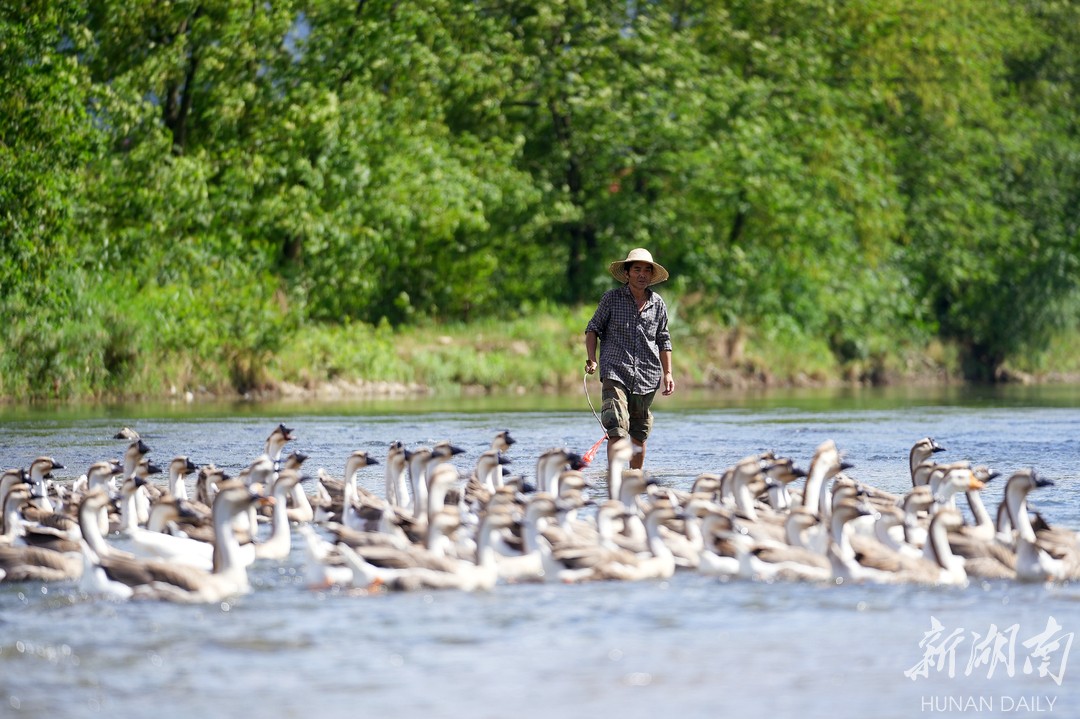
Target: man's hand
{"type": "Point", "coordinates": [669, 383]}
{"type": "Point", "coordinates": [590, 366]}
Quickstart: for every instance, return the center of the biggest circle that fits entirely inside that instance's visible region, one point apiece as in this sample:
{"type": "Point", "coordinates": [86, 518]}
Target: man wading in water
{"type": "Point", "coordinates": [631, 325]}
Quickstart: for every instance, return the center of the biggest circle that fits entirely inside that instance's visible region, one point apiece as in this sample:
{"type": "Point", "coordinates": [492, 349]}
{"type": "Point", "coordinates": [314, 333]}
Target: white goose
{"type": "Point", "coordinates": [503, 441]}
{"type": "Point", "coordinates": [158, 545]}
{"type": "Point", "coordinates": [920, 453]}
{"type": "Point", "coordinates": [619, 452]}
{"type": "Point", "coordinates": [40, 471]}
{"type": "Point", "coordinates": [659, 564]}
{"type": "Point", "coordinates": [824, 465]}
{"type": "Point", "coordinates": [279, 544]}
{"type": "Point", "coordinates": [124, 577]}
{"type": "Point", "coordinates": [275, 443]}
{"type": "Point", "coordinates": [179, 468]}
{"type": "Point", "coordinates": [483, 575]}
{"type": "Point", "coordinates": [34, 564]}
{"type": "Point", "coordinates": [397, 490]}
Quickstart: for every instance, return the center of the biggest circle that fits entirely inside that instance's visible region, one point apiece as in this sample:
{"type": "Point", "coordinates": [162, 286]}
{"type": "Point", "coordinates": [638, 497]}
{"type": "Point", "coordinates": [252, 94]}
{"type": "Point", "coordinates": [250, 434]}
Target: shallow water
{"type": "Point", "coordinates": [692, 646]}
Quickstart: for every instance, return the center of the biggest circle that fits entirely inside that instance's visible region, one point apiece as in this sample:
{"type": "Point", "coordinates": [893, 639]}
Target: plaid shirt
{"type": "Point", "coordinates": [631, 341]}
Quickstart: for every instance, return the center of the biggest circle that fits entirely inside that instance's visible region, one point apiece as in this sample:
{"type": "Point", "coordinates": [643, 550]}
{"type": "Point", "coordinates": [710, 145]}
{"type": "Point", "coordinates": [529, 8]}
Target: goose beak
{"type": "Point", "coordinates": [975, 483]}
{"type": "Point", "coordinates": [845, 465]}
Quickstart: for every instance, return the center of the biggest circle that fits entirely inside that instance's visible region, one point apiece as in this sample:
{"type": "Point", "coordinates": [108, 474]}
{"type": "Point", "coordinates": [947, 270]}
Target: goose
{"type": "Point", "coordinates": [953, 482]}
{"type": "Point", "coordinates": [279, 544]}
{"type": "Point", "coordinates": [921, 452]}
{"type": "Point", "coordinates": [889, 530]}
{"type": "Point", "coordinates": [716, 528]}
{"type": "Point", "coordinates": [576, 551]}
{"type": "Point", "coordinates": [933, 565]}
{"type": "Point", "coordinates": [323, 564]}
{"type": "Point", "coordinates": [18, 497]}
{"type": "Point", "coordinates": [916, 506]}
{"type": "Point", "coordinates": [35, 521]}
{"type": "Point", "coordinates": [537, 561]}
{"type": "Point", "coordinates": [489, 469]}
{"type": "Point", "coordinates": [745, 484]}
{"type": "Point", "coordinates": [746, 467]}
{"type": "Point", "coordinates": [1038, 559]}
{"type": "Point", "coordinates": [380, 550]}
{"type": "Point", "coordinates": [660, 564]}
{"type": "Point", "coordinates": [983, 530]}
{"type": "Point", "coordinates": [147, 543]}
{"type": "Point", "coordinates": [632, 535]}
{"type": "Point", "coordinates": [619, 453]}
{"type": "Point", "coordinates": [127, 433]}
{"type": "Point", "coordinates": [259, 476]}
{"type": "Point", "coordinates": [298, 504]}
{"type": "Point", "coordinates": [397, 477]}
{"type": "Point", "coordinates": [133, 457]}
{"type": "Point", "coordinates": [502, 441]}
{"type": "Point", "coordinates": [1056, 540]}
{"type": "Point", "coordinates": [824, 465]}
{"type": "Point", "coordinates": [179, 468]}
{"type": "Point", "coordinates": [803, 528]}
{"type": "Point", "coordinates": [951, 570]}
{"type": "Point", "coordinates": [747, 558]}
{"type": "Point", "coordinates": [31, 563]}
{"type": "Point", "coordinates": [441, 479]}
{"type": "Point", "coordinates": [40, 471]}
{"type": "Point", "coordinates": [986, 556]}
{"type": "Point", "coordinates": [343, 493]}
{"type": "Point", "coordinates": [125, 577]}
{"type": "Point", "coordinates": [11, 518]}
{"type": "Point", "coordinates": [938, 472]}
{"type": "Point", "coordinates": [275, 443]}
{"type": "Point", "coordinates": [551, 462]}
{"type": "Point", "coordinates": [842, 556]}
{"type": "Point", "coordinates": [466, 576]}
{"type": "Point", "coordinates": [421, 461]}
{"type": "Point", "coordinates": [782, 472]}
{"type": "Point", "coordinates": [417, 463]}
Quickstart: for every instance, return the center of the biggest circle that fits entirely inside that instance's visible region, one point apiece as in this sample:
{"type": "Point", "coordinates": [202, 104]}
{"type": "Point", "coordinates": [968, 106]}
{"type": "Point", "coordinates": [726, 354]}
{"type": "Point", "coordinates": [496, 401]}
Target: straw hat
{"type": "Point", "coordinates": [639, 254]}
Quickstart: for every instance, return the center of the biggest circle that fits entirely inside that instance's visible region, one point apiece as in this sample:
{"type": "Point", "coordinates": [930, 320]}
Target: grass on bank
{"type": "Point", "coordinates": [108, 356]}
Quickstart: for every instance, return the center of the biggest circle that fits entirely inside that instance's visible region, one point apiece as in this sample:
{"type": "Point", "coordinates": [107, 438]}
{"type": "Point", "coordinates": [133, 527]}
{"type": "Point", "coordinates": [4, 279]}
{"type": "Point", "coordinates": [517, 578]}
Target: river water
{"type": "Point", "coordinates": [691, 646]}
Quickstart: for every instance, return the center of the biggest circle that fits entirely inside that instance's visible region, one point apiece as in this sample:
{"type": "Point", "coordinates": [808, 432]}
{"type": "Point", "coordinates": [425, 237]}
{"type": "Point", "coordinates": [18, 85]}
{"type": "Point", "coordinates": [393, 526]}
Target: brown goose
{"type": "Point", "coordinates": [125, 577]}
{"type": "Point", "coordinates": [35, 564]}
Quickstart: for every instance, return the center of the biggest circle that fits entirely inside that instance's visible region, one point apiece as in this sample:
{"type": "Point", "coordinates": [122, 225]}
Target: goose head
{"type": "Point", "coordinates": [145, 468]}
{"type": "Point", "coordinates": [706, 483]}
{"type": "Point", "coordinates": [503, 441]}
{"type": "Point", "coordinates": [181, 466]}
{"type": "Point", "coordinates": [783, 470]}
{"type": "Point", "coordinates": [101, 474]}
{"type": "Point", "coordinates": [279, 437]}
{"type": "Point", "coordinates": [134, 454]}
{"type": "Point", "coordinates": [126, 433]}
{"type": "Point", "coordinates": [356, 461]}
{"type": "Point", "coordinates": [960, 479]}
{"type": "Point", "coordinates": [295, 460]}
{"type": "Point", "coordinates": [42, 467]}
{"type": "Point", "coordinates": [921, 451]}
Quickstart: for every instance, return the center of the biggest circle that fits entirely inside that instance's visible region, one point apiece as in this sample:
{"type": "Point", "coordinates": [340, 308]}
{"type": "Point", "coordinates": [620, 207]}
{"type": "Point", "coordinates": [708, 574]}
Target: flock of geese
{"type": "Point", "coordinates": [120, 535]}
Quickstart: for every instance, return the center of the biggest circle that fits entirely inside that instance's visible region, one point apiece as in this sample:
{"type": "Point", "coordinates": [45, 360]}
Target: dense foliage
{"type": "Point", "coordinates": [186, 186]}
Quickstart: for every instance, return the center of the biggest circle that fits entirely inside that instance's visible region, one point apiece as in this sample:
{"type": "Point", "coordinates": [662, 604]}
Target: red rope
{"type": "Point", "coordinates": [588, 457]}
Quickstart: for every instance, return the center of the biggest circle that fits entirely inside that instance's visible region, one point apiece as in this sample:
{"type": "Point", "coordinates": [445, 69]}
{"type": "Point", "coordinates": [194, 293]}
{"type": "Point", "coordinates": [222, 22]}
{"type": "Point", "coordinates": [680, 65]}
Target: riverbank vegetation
{"type": "Point", "coordinates": [237, 197]}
